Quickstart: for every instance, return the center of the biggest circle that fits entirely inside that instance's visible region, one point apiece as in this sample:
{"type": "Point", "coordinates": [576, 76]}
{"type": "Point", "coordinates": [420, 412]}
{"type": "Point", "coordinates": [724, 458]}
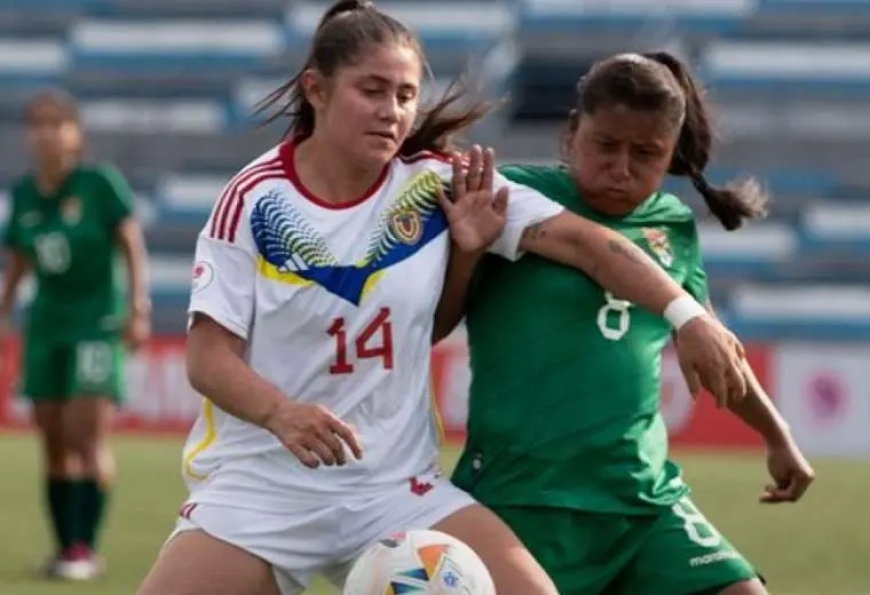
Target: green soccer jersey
{"type": "Point", "coordinates": [69, 238]}
{"type": "Point", "coordinates": [564, 402]}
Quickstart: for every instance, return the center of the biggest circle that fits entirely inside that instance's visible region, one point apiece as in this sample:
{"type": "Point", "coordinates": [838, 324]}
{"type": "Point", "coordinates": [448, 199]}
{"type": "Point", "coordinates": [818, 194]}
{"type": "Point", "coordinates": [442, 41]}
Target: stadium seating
{"type": "Point", "coordinates": [169, 89]}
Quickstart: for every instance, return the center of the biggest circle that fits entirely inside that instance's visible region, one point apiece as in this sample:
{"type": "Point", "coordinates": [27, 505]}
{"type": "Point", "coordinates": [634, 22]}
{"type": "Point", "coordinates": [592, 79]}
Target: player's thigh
{"type": "Point", "coordinates": [44, 370]}
{"type": "Point", "coordinates": [97, 368]}
{"type": "Point", "coordinates": [513, 568]}
{"type": "Point", "coordinates": [684, 554]}
{"type": "Point", "coordinates": [194, 562]}
{"type": "Point", "coordinates": [431, 501]}
{"type": "Point", "coordinates": [295, 544]}
{"type": "Point", "coordinates": [48, 419]}
{"type": "Point", "coordinates": [582, 552]}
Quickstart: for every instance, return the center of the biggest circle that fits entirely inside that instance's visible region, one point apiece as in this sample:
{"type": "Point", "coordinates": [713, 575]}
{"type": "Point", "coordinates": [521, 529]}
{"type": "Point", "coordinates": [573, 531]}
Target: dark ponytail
{"type": "Point", "coordinates": [732, 204]}
{"type": "Point", "coordinates": [345, 31]}
{"type": "Point", "coordinates": [440, 123]}
{"type": "Point", "coordinates": [295, 106]}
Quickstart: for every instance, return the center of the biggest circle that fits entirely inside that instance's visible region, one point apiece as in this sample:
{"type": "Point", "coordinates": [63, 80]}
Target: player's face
{"type": "Point", "coordinates": [620, 156]}
{"type": "Point", "coordinates": [373, 102]}
{"type": "Point", "coordinates": [51, 134]}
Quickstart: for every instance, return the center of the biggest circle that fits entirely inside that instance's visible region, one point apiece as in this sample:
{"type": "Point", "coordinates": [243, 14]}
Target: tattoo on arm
{"type": "Point", "coordinates": [625, 248]}
{"type": "Point", "coordinates": [534, 232]}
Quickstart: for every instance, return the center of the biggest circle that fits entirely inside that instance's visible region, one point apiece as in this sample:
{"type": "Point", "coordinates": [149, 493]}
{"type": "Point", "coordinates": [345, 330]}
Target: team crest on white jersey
{"type": "Point", "coordinates": [659, 244]}
{"type": "Point", "coordinates": [298, 252]}
{"type": "Point", "coordinates": [407, 227]}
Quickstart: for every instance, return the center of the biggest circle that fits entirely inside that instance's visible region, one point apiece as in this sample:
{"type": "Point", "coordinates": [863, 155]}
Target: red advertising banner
{"type": "Point", "coordinates": [159, 398]}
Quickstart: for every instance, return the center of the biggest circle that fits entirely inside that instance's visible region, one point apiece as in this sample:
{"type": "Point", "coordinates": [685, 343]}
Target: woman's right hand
{"type": "Point", "coordinates": [711, 357]}
{"type": "Point", "coordinates": [313, 434]}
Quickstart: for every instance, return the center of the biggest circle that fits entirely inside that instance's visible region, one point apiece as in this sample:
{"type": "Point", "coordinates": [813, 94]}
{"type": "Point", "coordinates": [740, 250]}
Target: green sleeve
{"type": "Point", "coordinates": [696, 280]}
{"type": "Point", "coordinates": [118, 197]}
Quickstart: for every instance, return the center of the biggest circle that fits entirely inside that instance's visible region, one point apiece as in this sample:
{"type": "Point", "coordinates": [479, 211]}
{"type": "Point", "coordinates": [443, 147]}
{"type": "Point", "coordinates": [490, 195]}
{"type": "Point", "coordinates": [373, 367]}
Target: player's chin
{"type": "Point", "coordinates": [379, 149]}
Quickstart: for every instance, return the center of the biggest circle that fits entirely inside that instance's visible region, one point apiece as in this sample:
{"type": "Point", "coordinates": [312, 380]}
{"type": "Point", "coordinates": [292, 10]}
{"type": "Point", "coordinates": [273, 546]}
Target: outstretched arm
{"type": "Point", "coordinates": [758, 412]}
{"type": "Point", "coordinates": [790, 471]}
{"type": "Point", "coordinates": [714, 354]}
{"type": "Point", "coordinates": [610, 259]}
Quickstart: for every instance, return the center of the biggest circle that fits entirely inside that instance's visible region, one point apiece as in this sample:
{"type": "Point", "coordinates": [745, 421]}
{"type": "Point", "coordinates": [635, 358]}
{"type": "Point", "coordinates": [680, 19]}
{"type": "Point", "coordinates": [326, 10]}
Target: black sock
{"type": "Point", "coordinates": [93, 505]}
{"type": "Point", "coordinates": [74, 507]}
{"type": "Point", "coordinates": [57, 497]}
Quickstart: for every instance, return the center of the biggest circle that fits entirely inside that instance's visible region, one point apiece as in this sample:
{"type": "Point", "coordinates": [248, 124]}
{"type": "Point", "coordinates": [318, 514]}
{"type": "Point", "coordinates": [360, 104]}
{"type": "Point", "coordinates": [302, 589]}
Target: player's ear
{"type": "Point", "coordinates": [314, 88]}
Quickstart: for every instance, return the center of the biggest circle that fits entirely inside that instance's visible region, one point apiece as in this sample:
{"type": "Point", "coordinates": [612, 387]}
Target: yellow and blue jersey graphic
{"type": "Point", "coordinates": [293, 251]}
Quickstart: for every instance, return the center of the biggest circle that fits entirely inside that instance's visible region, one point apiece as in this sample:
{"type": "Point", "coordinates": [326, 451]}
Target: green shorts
{"type": "Point", "coordinates": [677, 552]}
{"type": "Point", "coordinates": [61, 370]}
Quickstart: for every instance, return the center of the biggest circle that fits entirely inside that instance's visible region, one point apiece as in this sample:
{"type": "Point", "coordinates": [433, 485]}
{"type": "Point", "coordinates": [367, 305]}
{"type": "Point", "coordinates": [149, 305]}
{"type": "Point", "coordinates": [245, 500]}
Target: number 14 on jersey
{"type": "Point", "coordinates": [374, 341]}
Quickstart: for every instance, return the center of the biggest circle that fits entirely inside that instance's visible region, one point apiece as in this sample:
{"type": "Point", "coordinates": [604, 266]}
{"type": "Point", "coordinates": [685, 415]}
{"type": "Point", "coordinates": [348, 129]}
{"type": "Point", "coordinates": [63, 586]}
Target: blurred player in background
{"type": "Point", "coordinates": [566, 442]}
{"type": "Point", "coordinates": [67, 223]}
{"type": "Point", "coordinates": [316, 282]}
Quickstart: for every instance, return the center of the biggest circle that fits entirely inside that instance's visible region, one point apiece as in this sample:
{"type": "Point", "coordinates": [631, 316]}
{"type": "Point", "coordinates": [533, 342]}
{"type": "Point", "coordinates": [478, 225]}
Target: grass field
{"type": "Point", "coordinates": [819, 547]}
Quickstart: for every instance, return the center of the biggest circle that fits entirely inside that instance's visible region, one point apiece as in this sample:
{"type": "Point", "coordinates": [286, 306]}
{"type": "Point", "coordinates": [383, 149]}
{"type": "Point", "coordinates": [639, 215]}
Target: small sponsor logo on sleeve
{"type": "Point", "coordinates": [203, 275]}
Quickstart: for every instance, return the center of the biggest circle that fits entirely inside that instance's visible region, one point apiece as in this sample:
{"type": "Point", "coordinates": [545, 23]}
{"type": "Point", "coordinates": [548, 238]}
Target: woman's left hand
{"type": "Point", "coordinates": [792, 474]}
{"type": "Point", "coordinates": [137, 330]}
{"type": "Point", "coordinates": [476, 215]}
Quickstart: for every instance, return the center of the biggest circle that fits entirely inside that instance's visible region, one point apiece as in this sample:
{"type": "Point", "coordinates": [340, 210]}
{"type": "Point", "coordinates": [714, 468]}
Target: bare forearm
{"type": "Point", "coordinates": [609, 258]}
{"type": "Point", "coordinates": [629, 273]}
{"type": "Point", "coordinates": [758, 412]}
{"type": "Point", "coordinates": [220, 375]}
{"type": "Point", "coordinates": [457, 282]}
{"type": "Point", "coordinates": [136, 258]}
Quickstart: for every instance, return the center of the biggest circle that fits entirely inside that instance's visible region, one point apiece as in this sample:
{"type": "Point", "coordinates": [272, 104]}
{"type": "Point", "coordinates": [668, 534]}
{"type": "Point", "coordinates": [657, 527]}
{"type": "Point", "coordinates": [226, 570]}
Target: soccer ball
{"type": "Point", "coordinates": [420, 563]}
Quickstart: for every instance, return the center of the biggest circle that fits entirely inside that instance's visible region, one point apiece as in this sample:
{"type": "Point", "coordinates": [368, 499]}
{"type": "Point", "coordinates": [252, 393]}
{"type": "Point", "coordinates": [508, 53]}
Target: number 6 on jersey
{"type": "Point", "coordinates": [364, 349]}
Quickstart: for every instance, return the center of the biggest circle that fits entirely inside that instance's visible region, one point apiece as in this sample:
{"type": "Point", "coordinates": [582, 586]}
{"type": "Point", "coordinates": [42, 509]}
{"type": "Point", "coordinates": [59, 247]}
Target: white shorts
{"type": "Point", "coordinates": [325, 538]}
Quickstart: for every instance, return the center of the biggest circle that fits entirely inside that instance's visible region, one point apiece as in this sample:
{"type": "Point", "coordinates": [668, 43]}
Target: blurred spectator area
{"type": "Point", "coordinates": [168, 88]}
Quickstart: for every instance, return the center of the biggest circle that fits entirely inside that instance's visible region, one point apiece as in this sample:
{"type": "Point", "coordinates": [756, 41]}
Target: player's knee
{"type": "Point", "coordinates": [96, 461]}
{"type": "Point", "coordinates": [514, 570]}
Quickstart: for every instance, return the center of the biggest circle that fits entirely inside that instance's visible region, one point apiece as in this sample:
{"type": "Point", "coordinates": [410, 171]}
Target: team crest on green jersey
{"type": "Point", "coordinates": [71, 210]}
{"type": "Point", "coordinates": [659, 245]}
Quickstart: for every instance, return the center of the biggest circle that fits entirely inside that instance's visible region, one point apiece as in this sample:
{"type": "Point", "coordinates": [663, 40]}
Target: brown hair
{"type": "Point", "coordinates": [65, 102]}
{"type": "Point", "coordinates": [658, 81]}
{"type": "Point", "coordinates": [345, 31]}
{"type": "Point", "coordinates": [59, 98]}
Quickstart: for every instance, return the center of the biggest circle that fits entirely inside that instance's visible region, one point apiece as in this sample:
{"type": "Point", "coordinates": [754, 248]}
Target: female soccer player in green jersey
{"type": "Point", "coordinates": [566, 442]}
{"type": "Point", "coordinates": [67, 223]}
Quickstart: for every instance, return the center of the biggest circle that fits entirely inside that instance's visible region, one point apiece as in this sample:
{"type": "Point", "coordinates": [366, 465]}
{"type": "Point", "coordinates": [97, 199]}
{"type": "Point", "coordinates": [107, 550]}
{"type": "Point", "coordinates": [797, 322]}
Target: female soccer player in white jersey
{"type": "Point", "coordinates": [315, 286]}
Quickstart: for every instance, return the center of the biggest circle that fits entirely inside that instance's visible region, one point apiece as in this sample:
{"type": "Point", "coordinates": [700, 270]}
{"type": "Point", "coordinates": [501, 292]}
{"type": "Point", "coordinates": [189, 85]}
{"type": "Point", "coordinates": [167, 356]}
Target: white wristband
{"type": "Point", "coordinates": [682, 310]}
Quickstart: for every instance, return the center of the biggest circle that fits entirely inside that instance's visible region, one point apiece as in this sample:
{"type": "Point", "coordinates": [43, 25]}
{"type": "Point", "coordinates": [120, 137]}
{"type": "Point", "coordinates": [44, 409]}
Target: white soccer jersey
{"type": "Point", "coordinates": [336, 304]}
